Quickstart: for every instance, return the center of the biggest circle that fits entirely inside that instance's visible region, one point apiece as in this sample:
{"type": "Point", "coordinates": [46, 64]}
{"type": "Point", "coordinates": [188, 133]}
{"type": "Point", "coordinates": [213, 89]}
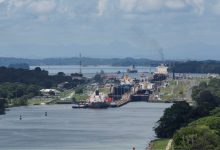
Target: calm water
{"type": "Point", "coordinates": [68, 69]}
{"type": "Point", "coordinates": [72, 129]}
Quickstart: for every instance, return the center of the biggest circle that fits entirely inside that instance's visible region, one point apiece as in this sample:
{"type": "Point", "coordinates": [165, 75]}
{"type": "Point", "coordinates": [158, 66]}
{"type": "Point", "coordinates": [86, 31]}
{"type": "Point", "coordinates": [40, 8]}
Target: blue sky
{"type": "Point", "coordinates": [181, 29]}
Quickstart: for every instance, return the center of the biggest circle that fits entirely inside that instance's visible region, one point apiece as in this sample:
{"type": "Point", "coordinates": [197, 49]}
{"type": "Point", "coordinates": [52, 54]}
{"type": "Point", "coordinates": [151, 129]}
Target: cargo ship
{"type": "Point", "coordinates": [161, 73]}
{"type": "Point", "coordinates": [143, 92]}
{"type": "Point", "coordinates": [140, 95]}
{"type": "Point", "coordinates": [98, 100]}
{"type": "Point", "coordinates": [132, 70]}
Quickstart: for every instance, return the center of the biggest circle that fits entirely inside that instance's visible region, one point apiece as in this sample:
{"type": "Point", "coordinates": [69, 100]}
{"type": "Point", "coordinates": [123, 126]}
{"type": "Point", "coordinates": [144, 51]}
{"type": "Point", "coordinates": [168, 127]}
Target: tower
{"type": "Point", "coordinates": [80, 63]}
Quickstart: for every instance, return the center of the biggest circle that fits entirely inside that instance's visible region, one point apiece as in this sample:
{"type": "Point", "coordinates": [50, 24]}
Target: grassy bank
{"type": "Point", "coordinates": [39, 101]}
{"type": "Point", "coordinates": [66, 93]}
{"type": "Point", "coordinates": [192, 126]}
{"type": "Point", "coordinates": [180, 89]}
{"type": "Point", "coordinates": [159, 144]}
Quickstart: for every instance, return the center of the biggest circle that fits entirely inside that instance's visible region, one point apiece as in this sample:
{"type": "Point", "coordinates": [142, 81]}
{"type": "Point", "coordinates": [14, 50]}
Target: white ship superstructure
{"type": "Point", "coordinates": [97, 97]}
{"type": "Point", "coordinates": [162, 69]}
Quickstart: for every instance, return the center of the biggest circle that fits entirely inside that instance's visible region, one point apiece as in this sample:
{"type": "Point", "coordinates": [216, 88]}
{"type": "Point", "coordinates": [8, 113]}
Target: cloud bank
{"type": "Point", "coordinates": [54, 7]}
{"type": "Point", "coordinates": [140, 28]}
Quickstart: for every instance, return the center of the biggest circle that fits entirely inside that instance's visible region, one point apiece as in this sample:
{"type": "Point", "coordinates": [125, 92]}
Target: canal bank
{"type": "Point", "coordinates": [81, 129]}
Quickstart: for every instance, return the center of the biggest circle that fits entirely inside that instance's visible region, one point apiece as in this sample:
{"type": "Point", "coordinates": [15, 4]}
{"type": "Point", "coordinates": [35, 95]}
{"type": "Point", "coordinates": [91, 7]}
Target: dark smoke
{"type": "Point", "coordinates": [156, 46]}
{"type": "Point", "coordinates": [138, 38]}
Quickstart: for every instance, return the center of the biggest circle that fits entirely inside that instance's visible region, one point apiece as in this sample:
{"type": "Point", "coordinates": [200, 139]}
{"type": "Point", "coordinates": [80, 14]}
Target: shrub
{"type": "Point", "coordinates": [211, 122]}
{"type": "Point", "coordinates": [196, 138]}
{"type": "Point", "coordinates": [79, 91]}
{"type": "Point", "coordinates": [173, 119]}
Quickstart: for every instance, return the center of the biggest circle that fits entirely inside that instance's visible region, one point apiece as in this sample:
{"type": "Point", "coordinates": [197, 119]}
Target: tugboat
{"type": "Point", "coordinates": [98, 100]}
{"type": "Point", "coordinates": [132, 70]}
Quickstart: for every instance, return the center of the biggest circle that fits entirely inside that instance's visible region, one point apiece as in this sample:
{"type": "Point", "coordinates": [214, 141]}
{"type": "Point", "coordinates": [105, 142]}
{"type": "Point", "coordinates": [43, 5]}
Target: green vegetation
{"type": "Point", "coordinates": [202, 134]}
{"type": "Point", "coordinates": [19, 66]}
{"type": "Point", "coordinates": [18, 86]}
{"type": "Point", "coordinates": [81, 97]}
{"type": "Point", "coordinates": [75, 61]}
{"type": "Point", "coordinates": [176, 89]}
{"type": "Point", "coordinates": [37, 77]}
{"type": "Point", "coordinates": [211, 121]}
{"type": "Point", "coordinates": [104, 90]}
{"type": "Point", "coordinates": [38, 101]}
{"type": "Point", "coordinates": [207, 96]}
{"type": "Point", "coordinates": [215, 112]}
{"type": "Point", "coordinates": [173, 119]}
{"type": "Point", "coordinates": [180, 89]}
{"type": "Point", "coordinates": [199, 138]}
{"type": "Point", "coordinates": [160, 144]}
{"type": "Point", "coordinates": [197, 67]}
{"type": "Point", "coordinates": [79, 90]}
{"type": "Point", "coordinates": [66, 93]}
{"type": "Point", "coordinates": [2, 106]}
{"type": "Point", "coordinates": [18, 90]}
{"type": "Point", "coordinates": [194, 127]}
{"type": "Point", "coordinates": [17, 94]}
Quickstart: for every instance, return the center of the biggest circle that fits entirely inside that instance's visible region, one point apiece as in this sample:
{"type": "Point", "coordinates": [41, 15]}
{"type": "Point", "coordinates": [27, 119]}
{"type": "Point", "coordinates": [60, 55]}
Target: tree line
{"type": "Point", "coordinates": [2, 106]}
{"type": "Point", "coordinates": [196, 67]}
{"type": "Point", "coordinates": [75, 61]}
{"type": "Point", "coordinates": [194, 127]}
{"type": "Point", "coordinates": [37, 77]}
{"type": "Point", "coordinates": [21, 84]}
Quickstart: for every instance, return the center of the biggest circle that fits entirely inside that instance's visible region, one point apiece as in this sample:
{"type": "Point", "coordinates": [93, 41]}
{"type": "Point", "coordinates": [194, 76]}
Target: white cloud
{"type": "Point", "coordinates": [101, 7]}
{"type": "Point", "coordinates": [140, 5]}
{"type": "Point", "coordinates": [157, 5]}
{"type": "Point", "coordinates": [175, 4]}
{"type": "Point", "coordinates": [128, 5]}
{"type": "Point", "coordinates": [43, 18]}
{"type": "Point", "coordinates": [2, 1]}
{"type": "Point", "coordinates": [16, 4]}
{"type": "Point", "coordinates": [74, 8]}
{"type": "Point", "coordinates": [216, 8]}
{"type": "Point", "coordinates": [41, 9]}
{"type": "Point", "coordinates": [198, 5]}
{"type": "Point", "coordinates": [43, 6]}
{"type": "Point", "coordinates": [149, 5]}
{"type": "Point", "coordinates": [40, 6]}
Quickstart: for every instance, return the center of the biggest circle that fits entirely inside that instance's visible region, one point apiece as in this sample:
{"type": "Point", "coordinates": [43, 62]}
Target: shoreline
{"type": "Point", "coordinates": [160, 144]}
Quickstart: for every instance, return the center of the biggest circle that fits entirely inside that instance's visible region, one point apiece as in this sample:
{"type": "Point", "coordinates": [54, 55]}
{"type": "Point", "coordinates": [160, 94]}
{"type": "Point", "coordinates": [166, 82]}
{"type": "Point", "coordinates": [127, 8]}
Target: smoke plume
{"type": "Point", "coordinates": [150, 45]}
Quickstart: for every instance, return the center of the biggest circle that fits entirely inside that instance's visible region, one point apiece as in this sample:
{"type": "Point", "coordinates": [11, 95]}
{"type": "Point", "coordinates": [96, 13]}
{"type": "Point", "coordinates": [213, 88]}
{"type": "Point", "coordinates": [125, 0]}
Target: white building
{"type": "Point", "coordinates": [50, 92]}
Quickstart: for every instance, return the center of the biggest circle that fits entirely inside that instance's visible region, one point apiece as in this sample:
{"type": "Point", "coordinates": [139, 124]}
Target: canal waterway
{"type": "Point", "coordinates": [65, 128]}
{"type": "Point", "coordinates": [90, 70]}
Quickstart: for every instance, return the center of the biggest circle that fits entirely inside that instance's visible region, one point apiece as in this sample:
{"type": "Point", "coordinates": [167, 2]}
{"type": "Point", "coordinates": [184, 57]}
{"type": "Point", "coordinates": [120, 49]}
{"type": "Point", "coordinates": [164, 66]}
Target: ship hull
{"type": "Point", "coordinates": [99, 105]}
{"type": "Point", "coordinates": [137, 98]}
{"type": "Point", "coordinates": [80, 106]}
{"type": "Point", "coordinates": [141, 95]}
{"type": "Point", "coordinates": [132, 71]}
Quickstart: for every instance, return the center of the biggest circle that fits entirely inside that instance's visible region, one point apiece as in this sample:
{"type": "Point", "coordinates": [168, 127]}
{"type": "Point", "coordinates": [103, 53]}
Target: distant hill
{"type": "Point", "coordinates": [4, 61]}
{"type": "Point", "coordinates": [19, 66]}
{"type": "Point", "coordinates": [208, 66]}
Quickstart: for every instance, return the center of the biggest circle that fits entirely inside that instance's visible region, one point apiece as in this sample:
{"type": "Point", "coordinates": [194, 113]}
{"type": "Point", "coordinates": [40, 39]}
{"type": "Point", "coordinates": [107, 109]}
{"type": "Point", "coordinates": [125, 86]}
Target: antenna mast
{"type": "Point", "coordinates": [80, 63]}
